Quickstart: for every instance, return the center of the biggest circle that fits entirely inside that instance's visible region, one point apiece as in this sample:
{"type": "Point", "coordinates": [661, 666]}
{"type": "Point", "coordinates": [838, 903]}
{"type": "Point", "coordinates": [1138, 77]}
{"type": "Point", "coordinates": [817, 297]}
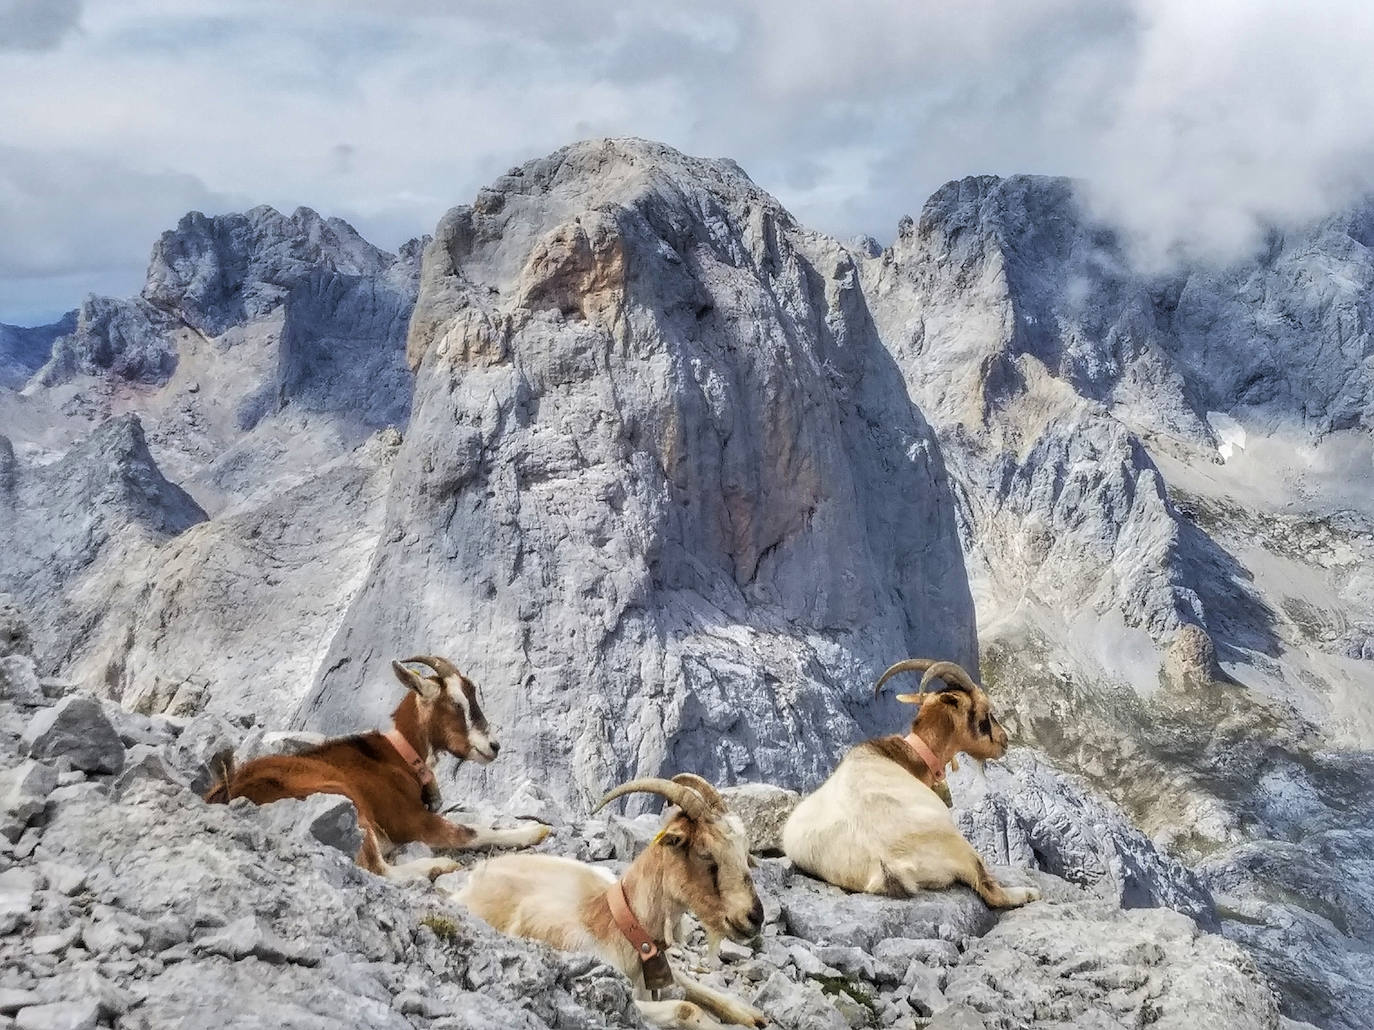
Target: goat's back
{"type": "Point", "coordinates": [537, 896]}
{"type": "Point", "coordinates": [275, 777]}
{"type": "Point", "coordinates": [869, 811]}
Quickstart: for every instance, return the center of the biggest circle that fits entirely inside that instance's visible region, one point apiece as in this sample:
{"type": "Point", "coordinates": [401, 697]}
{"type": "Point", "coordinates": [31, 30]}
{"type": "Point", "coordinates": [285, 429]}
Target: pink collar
{"type": "Point", "coordinates": [418, 765]}
{"type": "Point", "coordinates": [925, 754]}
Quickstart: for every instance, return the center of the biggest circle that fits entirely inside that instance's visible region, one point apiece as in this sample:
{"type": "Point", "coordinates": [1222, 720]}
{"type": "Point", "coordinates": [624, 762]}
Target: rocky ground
{"type": "Point", "coordinates": [127, 902]}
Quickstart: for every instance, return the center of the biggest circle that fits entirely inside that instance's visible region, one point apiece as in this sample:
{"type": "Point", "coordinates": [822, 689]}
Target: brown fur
{"type": "Point", "coordinates": [950, 722]}
{"type": "Point", "coordinates": [393, 808]}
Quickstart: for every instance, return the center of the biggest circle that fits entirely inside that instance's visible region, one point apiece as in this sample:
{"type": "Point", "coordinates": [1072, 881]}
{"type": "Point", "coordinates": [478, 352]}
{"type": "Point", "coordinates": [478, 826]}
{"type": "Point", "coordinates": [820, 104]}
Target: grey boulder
{"type": "Point", "coordinates": [77, 729]}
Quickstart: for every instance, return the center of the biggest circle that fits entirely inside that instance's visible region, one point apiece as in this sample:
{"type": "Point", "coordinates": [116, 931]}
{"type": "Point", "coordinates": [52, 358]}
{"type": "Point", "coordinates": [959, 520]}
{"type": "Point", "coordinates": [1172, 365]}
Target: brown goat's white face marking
{"type": "Point", "coordinates": [453, 714]}
{"type": "Point", "coordinates": [463, 692]}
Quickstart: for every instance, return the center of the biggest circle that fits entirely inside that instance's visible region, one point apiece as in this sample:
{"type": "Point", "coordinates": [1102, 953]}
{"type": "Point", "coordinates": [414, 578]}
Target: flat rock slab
{"type": "Point", "coordinates": [1089, 964]}
{"type": "Point", "coordinates": [821, 913]}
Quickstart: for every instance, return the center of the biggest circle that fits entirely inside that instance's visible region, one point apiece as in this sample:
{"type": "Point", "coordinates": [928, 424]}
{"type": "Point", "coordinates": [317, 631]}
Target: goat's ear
{"type": "Point", "coordinates": [673, 835]}
{"type": "Point", "coordinates": [422, 685]}
{"type": "Point", "coordinates": [951, 697]}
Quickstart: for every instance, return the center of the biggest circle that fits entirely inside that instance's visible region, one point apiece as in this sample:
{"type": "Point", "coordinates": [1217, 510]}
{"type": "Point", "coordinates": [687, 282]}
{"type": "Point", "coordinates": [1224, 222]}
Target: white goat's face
{"type": "Point", "coordinates": [710, 858]}
{"type": "Point", "coordinates": [451, 707]}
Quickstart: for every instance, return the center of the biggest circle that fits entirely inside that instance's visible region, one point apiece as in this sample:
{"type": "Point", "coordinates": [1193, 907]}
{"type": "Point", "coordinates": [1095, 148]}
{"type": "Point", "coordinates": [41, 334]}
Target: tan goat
{"type": "Point", "coordinates": [389, 776]}
{"type": "Point", "coordinates": [699, 862]}
{"type": "Point", "coordinates": [877, 824]}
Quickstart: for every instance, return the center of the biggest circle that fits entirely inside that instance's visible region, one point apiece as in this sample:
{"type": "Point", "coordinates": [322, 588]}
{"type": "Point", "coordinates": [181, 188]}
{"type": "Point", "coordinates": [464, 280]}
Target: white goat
{"type": "Point", "coordinates": [699, 862]}
{"type": "Point", "coordinates": [877, 824]}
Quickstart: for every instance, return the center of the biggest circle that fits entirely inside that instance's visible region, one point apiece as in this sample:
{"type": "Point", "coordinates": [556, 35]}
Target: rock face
{"type": "Point", "coordinates": [73, 528]}
{"type": "Point", "coordinates": [249, 599]}
{"type": "Point", "coordinates": [220, 272]}
{"type": "Point", "coordinates": [1021, 812]}
{"type": "Point", "coordinates": [24, 351]}
{"type": "Point", "coordinates": [663, 489]}
{"type": "Point", "coordinates": [261, 347]}
{"type": "Point", "coordinates": [260, 358]}
{"type": "Point", "coordinates": [126, 339]}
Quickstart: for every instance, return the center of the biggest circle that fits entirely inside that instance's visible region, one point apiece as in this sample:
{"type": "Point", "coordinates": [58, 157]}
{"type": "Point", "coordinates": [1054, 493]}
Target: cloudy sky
{"type": "Point", "coordinates": [1192, 122]}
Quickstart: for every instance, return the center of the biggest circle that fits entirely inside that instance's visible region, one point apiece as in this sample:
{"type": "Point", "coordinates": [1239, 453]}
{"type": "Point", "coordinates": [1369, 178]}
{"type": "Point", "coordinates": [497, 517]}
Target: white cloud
{"type": "Point", "coordinates": [1193, 122]}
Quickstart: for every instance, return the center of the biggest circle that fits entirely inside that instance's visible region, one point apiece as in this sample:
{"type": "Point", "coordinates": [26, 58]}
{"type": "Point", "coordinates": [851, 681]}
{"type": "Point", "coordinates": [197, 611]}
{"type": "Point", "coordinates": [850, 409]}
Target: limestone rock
{"type": "Point", "coordinates": [203, 749]}
{"type": "Point", "coordinates": [126, 339]}
{"type": "Point", "coordinates": [1021, 812]}
{"type": "Point", "coordinates": [327, 818]}
{"type": "Point", "coordinates": [763, 809]}
{"type": "Point", "coordinates": [79, 521]}
{"type": "Point", "coordinates": [77, 729]}
{"type": "Point", "coordinates": [15, 637]}
{"type": "Point", "coordinates": [1070, 968]}
{"type": "Point", "coordinates": [24, 791]}
{"type": "Point", "coordinates": [19, 682]}
{"type": "Point", "coordinates": [216, 272]}
{"type": "Point", "coordinates": [24, 351]}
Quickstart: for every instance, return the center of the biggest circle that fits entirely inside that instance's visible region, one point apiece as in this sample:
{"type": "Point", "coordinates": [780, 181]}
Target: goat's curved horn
{"type": "Point", "coordinates": [686, 798]}
{"type": "Point", "coordinates": [906, 665]}
{"type": "Point", "coordinates": [954, 676]}
{"type": "Point", "coordinates": [442, 666]}
{"type": "Point", "coordinates": [703, 787]}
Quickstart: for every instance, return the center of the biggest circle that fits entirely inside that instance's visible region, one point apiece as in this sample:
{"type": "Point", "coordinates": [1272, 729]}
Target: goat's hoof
{"type": "Point", "coordinates": [539, 834]}
{"type": "Point", "coordinates": [1017, 896]}
{"type": "Point", "coordinates": [745, 1015]}
{"type": "Point", "coordinates": [442, 867]}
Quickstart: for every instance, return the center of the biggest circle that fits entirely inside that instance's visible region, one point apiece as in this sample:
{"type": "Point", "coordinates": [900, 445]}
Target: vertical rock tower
{"type": "Point", "coordinates": [663, 495]}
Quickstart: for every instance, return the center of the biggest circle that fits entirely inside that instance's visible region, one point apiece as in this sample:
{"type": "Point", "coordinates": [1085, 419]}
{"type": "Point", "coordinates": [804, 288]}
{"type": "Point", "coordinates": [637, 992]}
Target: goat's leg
{"type": "Point", "coordinates": [370, 854]}
{"type": "Point", "coordinates": [726, 1006]}
{"type": "Point", "coordinates": [938, 862]}
{"type": "Point", "coordinates": [370, 858]}
{"type": "Point", "coordinates": [422, 869]}
{"type": "Point", "coordinates": [438, 832]}
{"type": "Point", "coordinates": [676, 1015]}
{"type": "Point", "coordinates": [995, 894]}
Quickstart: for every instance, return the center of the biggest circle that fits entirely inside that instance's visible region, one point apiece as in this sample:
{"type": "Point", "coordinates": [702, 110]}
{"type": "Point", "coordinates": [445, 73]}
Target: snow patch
{"type": "Point", "coordinates": [1229, 432]}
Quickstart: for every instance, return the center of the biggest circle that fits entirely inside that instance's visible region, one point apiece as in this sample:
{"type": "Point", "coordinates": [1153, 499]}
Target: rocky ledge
{"type": "Point", "coordinates": [127, 902]}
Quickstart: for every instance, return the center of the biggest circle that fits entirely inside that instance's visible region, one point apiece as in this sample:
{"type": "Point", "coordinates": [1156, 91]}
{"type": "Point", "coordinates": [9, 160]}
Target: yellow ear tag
{"type": "Point", "coordinates": [658, 836]}
{"type": "Point", "coordinates": [912, 699]}
{"type": "Point", "coordinates": [954, 763]}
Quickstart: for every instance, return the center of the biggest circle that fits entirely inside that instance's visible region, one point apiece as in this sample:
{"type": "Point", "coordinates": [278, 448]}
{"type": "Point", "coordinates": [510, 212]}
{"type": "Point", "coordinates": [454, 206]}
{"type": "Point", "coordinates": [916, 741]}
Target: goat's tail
{"type": "Point", "coordinates": [218, 794]}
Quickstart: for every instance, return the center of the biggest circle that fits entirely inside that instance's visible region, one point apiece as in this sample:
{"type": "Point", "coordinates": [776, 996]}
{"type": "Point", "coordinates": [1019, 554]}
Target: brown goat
{"type": "Point", "coordinates": [388, 776]}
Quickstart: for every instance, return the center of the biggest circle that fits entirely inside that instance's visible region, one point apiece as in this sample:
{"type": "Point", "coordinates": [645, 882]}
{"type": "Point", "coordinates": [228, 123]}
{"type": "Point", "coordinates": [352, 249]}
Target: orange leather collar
{"type": "Point", "coordinates": [418, 765]}
{"type": "Point", "coordinates": [657, 973]}
{"type": "Point", "coordinates": [925, 754]}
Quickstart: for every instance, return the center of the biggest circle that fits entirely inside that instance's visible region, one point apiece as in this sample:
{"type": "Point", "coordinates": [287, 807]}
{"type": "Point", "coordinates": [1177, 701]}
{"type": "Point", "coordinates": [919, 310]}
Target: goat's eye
{"type": "Point", "coordinates": [986, 726]}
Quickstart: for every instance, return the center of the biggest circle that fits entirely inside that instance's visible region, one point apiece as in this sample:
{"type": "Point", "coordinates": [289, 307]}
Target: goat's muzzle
{"type": "Point", "coordinates": [752, 925]}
